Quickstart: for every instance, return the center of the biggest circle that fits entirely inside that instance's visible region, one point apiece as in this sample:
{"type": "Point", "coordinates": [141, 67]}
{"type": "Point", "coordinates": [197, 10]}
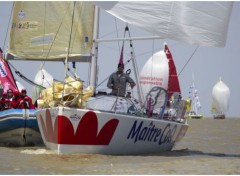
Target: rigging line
{"type": "Point", "coordinates": [70, 37]}
{"type": "Point", "coordinates": [115, 20]}
{"type": "Point", "coordinates": [8, 27]}
{"type": "Point", "coordinates": [56, 33]}
{"type": "Point", "coordinates": [188, 60]}
{"type": "Point", "coordinates": [125, 30]}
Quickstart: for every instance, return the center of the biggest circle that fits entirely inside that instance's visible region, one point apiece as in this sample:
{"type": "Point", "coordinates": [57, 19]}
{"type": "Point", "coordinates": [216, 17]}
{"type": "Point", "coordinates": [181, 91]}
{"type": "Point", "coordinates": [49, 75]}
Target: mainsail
{"type": "Point", "coordinates": [43, 33]}
{"type": "Point", "coordinates": [192, 22]}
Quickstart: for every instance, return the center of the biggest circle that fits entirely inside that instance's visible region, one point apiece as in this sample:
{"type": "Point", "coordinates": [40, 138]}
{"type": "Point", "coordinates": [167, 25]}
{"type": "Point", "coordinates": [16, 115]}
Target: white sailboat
{"type": "Point", "coordinates": [193, 103]}
{"type": "Point", "coordinates": [220, 99]}
{"type": "Point", "coordinates": [71, 121]}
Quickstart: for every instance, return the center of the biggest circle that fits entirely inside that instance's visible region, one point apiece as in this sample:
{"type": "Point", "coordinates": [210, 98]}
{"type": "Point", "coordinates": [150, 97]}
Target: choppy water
{"type": "Point", "coordinates": [209, 147]}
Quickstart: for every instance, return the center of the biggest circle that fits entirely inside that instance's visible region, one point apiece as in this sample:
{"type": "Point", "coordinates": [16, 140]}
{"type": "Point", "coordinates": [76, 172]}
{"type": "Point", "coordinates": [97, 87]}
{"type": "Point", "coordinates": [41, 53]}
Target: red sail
{"type": "Point", "coordinates": [173, 83]}
{"type": "Point", "coordinates": [6, 76]}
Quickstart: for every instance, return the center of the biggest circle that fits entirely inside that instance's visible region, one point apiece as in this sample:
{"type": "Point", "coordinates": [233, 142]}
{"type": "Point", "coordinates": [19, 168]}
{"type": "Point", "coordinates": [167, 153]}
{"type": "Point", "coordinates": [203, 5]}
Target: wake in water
{"type": "Point", "coordinates": [38, 152]}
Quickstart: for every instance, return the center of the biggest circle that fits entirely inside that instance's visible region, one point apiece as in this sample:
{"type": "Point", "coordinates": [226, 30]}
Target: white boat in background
{"type": "Point", "coordinates": [193, 103]}
{"type": "Point", "coordinates": [72, 120]}
{"type": "Point", "coordinates": [18, 127]}
{"type": "Point", "coordinates": [220, 100]}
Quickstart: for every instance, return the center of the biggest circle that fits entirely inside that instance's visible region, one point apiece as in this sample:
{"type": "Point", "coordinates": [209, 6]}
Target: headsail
{"type": "Point", "coordinates": [42, 32]}
{"type": "Point", "coordinates": [190, 22]}
{"type": "Point", "coordinates": [220, 97]}
{"type": "Point", "coordinates": [6, 76]}
{"type": "Point", "coordinates": [154, 79]}
{"type": "Point", "coordinates": [173, 82]}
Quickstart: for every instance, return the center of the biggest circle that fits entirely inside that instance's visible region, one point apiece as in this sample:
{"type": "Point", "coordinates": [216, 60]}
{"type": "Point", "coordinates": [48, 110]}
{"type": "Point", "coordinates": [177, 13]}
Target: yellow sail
{"type": "Point", "coordinates": [43, 30]}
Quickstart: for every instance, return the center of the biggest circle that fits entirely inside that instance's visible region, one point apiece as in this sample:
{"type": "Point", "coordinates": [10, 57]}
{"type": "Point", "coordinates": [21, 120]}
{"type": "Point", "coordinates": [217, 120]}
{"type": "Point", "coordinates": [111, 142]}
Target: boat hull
{"type": "Point", "coordinates": [18, 127]}
{"type": "Point", "coordinates": [194, 117]}
{"type": "Point", "coordinates": [220, 116]}
{"type": "Point", "coordinates": [70, 130]}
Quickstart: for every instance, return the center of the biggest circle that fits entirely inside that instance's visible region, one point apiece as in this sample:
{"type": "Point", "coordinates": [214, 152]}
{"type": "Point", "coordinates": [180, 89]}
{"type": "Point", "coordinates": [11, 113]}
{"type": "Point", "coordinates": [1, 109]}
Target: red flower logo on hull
{"type": "Point", "coordinates": [86, 133]}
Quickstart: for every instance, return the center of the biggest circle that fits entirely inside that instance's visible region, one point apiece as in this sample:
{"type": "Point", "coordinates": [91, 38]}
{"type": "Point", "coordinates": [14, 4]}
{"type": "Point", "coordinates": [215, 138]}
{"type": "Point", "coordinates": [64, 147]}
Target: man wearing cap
{"type": "Point", "coordinates": [118, 81]}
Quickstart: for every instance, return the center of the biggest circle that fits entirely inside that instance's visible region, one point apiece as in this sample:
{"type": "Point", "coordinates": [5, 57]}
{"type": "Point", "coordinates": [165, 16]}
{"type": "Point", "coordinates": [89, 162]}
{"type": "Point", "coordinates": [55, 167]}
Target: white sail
{"type": "Point", "coordinates": [193, 102]}
{"type": "Point", "coordinates": [66, 125]}
{"type": "Point", "coordinates": [42, 78]}
{"type": "Point", "coordinates": [154, 79]}
{"type": "Point", "coordinates": [221, 97]}
{"type": "Point", "coordinates": [19, 86]}
{"type": "Point", "coordinates": [193, 22]}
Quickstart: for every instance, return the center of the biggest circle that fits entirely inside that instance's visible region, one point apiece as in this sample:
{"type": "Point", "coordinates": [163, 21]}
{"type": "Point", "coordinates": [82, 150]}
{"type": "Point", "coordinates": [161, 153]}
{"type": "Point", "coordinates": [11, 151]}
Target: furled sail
{"type": "Point", "coordinates": [193, 22]}
{"type": "Point", "coordinates": [220, 97]}
{"type": "Point", "coordinates": [42, 31]}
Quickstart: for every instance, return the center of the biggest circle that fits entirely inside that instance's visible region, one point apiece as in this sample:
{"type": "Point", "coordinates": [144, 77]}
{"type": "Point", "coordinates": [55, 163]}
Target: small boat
{"type": "Point", "coordinates": [220, 99]}
{"type": "Point", "coordinates": [74, 118]}
{"type": "Point", "coordinates": [193, 103]}
{"type": "Point", "coordinates": [18, 127]}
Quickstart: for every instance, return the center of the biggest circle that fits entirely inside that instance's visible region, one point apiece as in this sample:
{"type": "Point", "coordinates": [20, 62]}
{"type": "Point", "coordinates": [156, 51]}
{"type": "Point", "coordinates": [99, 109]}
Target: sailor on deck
{"type": "Point", "coordinates": [118, 81]}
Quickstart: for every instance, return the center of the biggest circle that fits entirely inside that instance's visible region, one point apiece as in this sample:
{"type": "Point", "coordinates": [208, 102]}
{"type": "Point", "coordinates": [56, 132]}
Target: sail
{"type": "Point", "coordinates": [6, 76]}
{"type": "Point", "coordinates": [154, 79]}
{"type": "Point", "coordinates": [42, 78]}
{"type": "Point", "coordinates": [221, 97]}
{"type": "Point", "coordinates": [192, 22]}
{"type": "Point", "coordinates": [173, 82]}
{"type": "Point", "coordinates": [20, 86]}
{"type": "Point", "coordinates": [194, 97]}
{"type": "Point", "coordinates": [41, 30]}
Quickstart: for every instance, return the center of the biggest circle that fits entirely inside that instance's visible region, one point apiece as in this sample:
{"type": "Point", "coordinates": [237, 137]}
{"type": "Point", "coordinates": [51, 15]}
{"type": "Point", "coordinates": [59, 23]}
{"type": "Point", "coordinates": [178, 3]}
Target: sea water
{"type": "Point", "coordinates": [210, 147]}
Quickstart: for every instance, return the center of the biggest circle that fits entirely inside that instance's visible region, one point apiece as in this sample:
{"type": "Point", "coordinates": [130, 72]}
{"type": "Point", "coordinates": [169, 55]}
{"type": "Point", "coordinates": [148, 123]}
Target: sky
{"type": "Point", "coordinates": [207, 64]}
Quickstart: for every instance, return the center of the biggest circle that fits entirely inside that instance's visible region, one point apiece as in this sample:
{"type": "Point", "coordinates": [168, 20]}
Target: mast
{"type": "Point", "coordinates": [93, 67]}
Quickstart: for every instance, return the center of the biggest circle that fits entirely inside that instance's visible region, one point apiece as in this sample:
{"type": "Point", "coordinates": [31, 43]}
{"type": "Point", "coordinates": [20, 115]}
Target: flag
{"type": "Point", "coordinates": [6, 77]}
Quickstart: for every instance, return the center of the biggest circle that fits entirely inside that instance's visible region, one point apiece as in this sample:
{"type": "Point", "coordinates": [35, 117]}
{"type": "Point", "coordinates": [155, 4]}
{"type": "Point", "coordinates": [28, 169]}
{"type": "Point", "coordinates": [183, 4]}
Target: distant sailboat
{"type": "Point", "coordinates": [220, 100]}
{"type": "Point", "coordinates": [193, 102]}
